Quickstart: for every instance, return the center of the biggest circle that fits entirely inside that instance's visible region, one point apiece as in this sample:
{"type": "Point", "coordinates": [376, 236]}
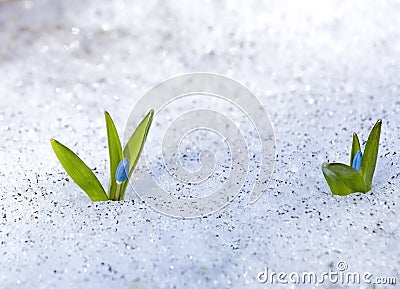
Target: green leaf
{"type": "Point", "coordinates": [79, 172]}
{"type": "Point", "coordinates": [355, 147]}
{"type": "Point", "coordinates": [115, 153]}
{"type": "Point", "coordinates": [371, 154]}
{"type": "Point", "coordinates": [343, 179]}
{"type": "Point", "coordinates": [135, 146]}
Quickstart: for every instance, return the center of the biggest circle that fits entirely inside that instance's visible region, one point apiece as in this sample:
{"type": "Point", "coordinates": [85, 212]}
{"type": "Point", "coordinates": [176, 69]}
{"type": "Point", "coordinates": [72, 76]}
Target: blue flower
{"type": "Point", "coordinates": [357, 161]}
{"type": "Point", "coordinates": [122, 171]}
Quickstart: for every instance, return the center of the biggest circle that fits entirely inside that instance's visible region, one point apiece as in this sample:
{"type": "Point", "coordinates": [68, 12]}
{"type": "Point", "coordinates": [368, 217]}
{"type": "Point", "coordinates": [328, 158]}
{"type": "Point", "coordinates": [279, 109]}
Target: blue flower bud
{"type": "Point", "coordinates": [357, 161]}
{"type": "Point", "coordinates": [122, 170]}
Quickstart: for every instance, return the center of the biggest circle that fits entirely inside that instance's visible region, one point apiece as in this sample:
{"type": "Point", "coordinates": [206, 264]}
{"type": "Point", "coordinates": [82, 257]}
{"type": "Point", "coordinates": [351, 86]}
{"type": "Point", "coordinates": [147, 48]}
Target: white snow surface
{"type": "Point", "coordinates": [322, 69]}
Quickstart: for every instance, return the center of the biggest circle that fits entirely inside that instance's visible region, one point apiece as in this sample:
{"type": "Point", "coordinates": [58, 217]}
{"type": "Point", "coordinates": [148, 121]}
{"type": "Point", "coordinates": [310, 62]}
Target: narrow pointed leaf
{"type": "Point", "coordinates": [79, 172]}
{"type": "Point", "coordinates": [355, 147]}
{"type": "Point", "coordinates": [135, 145]}
{"type": "Point", "coordinates": [115, 153]}
{"type": "Point", "coordinates": [371, 154]}
{"type": "Point", "coordinates": [343, 179]}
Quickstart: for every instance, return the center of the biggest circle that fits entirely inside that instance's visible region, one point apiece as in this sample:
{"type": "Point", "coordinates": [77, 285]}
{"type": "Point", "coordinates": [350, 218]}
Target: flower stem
{"type": "Point", "coordinates": [118, 191]}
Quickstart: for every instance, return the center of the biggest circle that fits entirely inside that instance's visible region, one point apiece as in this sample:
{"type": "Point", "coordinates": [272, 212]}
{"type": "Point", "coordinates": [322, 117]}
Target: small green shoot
{"type": "Point", "coordinates": [357, 177]}
{"type": "Point", "coordinates": [122, 161]}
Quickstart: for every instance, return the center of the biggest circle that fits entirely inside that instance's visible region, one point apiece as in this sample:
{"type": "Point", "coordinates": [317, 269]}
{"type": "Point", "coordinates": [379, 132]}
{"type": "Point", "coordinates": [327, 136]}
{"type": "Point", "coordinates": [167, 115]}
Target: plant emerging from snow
{"type": "Point", "coordinates": [357, 177]}
{"type": "Point", "coordinates": [122, 162]}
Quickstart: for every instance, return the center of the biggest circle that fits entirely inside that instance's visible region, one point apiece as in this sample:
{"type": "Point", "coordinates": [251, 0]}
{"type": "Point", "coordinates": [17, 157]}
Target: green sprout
{"type": "Point", "coordinates": [122, 162]}
{"type": "Point", "coordinates": [343, 179]}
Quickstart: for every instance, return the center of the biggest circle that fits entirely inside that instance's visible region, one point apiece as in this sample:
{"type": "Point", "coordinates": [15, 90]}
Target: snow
{"type": "Point", "coordinates": [322, 69]}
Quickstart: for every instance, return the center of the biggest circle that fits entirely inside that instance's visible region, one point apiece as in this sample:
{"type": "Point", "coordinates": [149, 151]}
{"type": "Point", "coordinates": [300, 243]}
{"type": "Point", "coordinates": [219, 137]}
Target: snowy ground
{"type": "Point", "coordinates": [323, 69]}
